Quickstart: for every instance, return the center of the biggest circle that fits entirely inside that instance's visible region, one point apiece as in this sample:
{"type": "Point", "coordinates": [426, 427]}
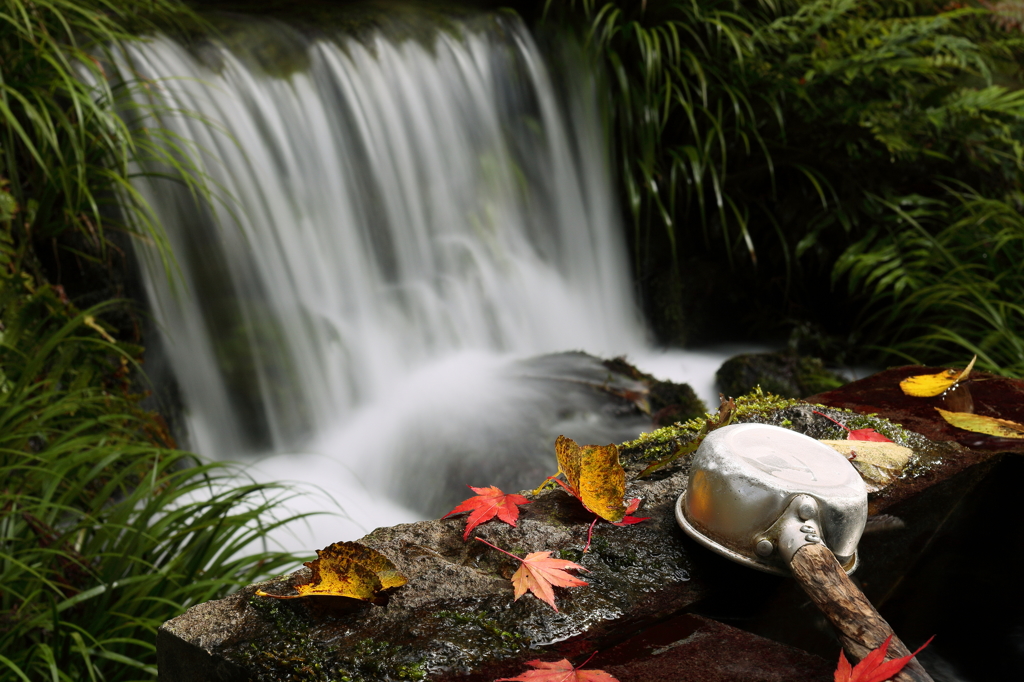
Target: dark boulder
{"type": "Point", "coordinates": [785, 374]}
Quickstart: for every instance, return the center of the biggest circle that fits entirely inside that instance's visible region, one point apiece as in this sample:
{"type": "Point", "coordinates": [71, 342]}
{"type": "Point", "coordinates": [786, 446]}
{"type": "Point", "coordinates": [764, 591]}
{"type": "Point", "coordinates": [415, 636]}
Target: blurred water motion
{"type": "Point", "coordinates": [413, 218]}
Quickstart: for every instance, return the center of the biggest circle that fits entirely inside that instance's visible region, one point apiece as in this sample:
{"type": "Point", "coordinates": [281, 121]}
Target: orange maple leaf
{"type": "Point", "coordinates": [488, 503]}
{"type": "Point", "coordinates": [559, 671]}
{"type": "Point", "coordinates": [872, 668]}
{"type": "Point", "coordinates": [538, 572]}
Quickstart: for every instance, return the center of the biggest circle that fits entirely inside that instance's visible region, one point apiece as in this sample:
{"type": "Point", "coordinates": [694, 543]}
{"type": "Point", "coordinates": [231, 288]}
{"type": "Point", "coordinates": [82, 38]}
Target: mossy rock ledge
{"type": "Point", "coordinates": [456, 618]}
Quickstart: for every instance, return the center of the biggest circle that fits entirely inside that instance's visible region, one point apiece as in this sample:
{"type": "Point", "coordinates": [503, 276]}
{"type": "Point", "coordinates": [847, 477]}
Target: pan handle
{"type": "Point", "coordinates": [861, 628]}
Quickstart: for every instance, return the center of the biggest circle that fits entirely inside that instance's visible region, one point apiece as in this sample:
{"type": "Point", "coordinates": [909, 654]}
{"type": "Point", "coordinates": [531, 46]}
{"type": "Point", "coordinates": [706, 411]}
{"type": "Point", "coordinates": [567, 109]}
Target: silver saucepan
{"type": "Point", "coordinates": [782, 502]}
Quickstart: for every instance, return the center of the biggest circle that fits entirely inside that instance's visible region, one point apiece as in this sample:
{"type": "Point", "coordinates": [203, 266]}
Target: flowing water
{"type": "Point", "coordinates": [416, 223]}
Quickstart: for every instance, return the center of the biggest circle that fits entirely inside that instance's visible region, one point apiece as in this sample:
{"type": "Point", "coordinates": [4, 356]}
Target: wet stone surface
{"type": "Point", "coordinates": [456, 615]}
{"type": "Point", "coordinates": [691, 648]}
{"type": "Point", "coordinates": [983, 393]}
{"type": "Point", "coordinates": [456, 618]}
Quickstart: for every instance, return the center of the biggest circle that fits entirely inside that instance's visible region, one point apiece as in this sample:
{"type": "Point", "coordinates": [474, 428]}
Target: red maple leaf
{"type": "Point", "coordinates": [539, 572]}
{"type": "Point", "coordinates": [488, 503]}
{"type": "Point", "coordinates": [872, 668]}
{"type": "Point", "coordinates": [627, 520]}
{"type": "Point", "coordinates": [867, 434]}
{"type": "Point", "coordinates": [559, 671]}
{"type": "Point", "coordinates": [857, 434]}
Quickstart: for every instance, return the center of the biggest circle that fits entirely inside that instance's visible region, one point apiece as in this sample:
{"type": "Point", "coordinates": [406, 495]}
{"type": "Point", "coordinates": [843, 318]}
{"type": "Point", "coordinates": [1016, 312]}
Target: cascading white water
{"type": "Point", "coordinates": [411, 215]}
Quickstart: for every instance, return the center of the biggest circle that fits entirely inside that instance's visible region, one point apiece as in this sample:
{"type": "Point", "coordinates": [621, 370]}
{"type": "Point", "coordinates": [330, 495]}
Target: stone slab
{"type": "Point", "coordinates": [690, 648]}
{"type": "Point", "coordinates": [456, 618]}
{"type": "Point", "coordinates": [990, 395]}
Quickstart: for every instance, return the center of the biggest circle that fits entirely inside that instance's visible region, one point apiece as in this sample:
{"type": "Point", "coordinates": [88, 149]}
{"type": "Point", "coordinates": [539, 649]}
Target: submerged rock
{"type": "Point", "coordinates": [456, 617]}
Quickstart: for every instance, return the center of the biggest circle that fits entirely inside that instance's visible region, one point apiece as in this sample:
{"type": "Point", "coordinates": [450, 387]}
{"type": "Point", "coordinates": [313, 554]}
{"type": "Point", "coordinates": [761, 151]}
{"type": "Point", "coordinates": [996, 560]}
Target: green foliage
{"type": "Point", "coordinates": [66, 155]}
{"type": "Point", "coordinates": [777, 135]}
{"type": "Point", "coordinates": [105, 531]}
{"type": "Point", "coordinates": [686, 113]}
{"type": "Point", "coordinates": [926, 169]}
{"type": "Point", "coordinates": [945, 280]}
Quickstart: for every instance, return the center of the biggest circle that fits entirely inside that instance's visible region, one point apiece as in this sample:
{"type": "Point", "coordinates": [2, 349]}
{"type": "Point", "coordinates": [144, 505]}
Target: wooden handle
{"type": "Point", "coordinates": [861, 628]}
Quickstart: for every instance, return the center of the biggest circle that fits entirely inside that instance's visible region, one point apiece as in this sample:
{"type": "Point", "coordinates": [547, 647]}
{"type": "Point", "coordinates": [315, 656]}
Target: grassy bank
{"type": "Point", "coordinates": [106, 530]}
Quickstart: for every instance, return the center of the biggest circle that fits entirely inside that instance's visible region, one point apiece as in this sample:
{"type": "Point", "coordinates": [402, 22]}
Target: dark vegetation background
{"type": "Point", "coordinates": [842, 174]}
{"type": "Point", "coordinates": [846, 173]}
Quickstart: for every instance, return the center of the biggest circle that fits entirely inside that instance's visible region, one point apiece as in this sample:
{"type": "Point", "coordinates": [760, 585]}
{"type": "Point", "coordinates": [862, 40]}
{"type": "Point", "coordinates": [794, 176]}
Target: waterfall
{"type": "Point", "coordinates": [411, 219]}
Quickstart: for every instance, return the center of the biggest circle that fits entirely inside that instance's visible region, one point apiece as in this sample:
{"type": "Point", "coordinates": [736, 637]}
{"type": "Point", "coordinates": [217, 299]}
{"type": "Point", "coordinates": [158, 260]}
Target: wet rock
{"type": "Point", "coordinates": [690, 648]}
{"type": "Point", "coordinates": [456, 615]}
{"type": "Point", "coordinates": [456, 618]}
{"type": "Point", "coordinates": [880, 394]}
{"type": "Point", "coordinates": [539, 398]}
{"type": "Point", "coordinates": [665, 401]}
{"type": "Point", "coordinates": [785, 374]}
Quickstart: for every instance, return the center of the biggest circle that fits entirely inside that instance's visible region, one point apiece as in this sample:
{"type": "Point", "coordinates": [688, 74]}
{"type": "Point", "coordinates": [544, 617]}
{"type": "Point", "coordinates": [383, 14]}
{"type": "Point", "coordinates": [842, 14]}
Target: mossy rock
{"type": "Point", "coordinates": [784, 374]}
{"type": "Point", "coordinates": [457, 616]}
{"type": "Point", "coordinates": [668, 402]}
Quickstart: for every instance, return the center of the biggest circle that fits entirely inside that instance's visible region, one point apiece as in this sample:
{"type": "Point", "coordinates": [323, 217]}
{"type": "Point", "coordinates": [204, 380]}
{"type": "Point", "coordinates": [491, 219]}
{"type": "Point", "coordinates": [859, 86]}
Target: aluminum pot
{"type": "Point", "coordinates": [743, 479]}
{"type": "Point", "coordinates": [782, 502]}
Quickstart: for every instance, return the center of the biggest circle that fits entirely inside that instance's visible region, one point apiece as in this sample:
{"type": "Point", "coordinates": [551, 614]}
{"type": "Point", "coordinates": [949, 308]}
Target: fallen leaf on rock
{"type": "Point", "coordinates": [726, 410]}
{"type": "Point", "coordinates": [872, 668]}
{"type": "Point", "coordinates": [595, 477]}
{"type": "Point", "coordinates": [990, 426]}
{"type": "Point", "coordinates": [559, 671]}
{"type": "Point", "coordinates": [627, 520]}
{"type": "Point", "coordinates": [867, 434]}
{"type": "Point", "coordinates": [857, 434]}
{"type": "Point", "coordinates": [538, 572]}
{"type": "Point", "coordinates": [928, 385]}
{"type": "Point", "coordinates": [486, 504]}
{"type": "Point", "coordinates": [878, 463]}
{"type": "Point", "coordinates": [347, 569]}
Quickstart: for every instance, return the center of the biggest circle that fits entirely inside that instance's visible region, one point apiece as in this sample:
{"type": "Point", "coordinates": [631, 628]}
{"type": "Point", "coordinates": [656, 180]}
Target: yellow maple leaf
{"type": "Point", "coordinates": [928, 385]}
{"type": "Point", "coordinates": [990, 426]}
{"type": "Point", "coordinates": [347, 569]}
{"type": "Point", "coordinates": [878, 463]}
{"type": "Point", "coordinates": [595, 476]}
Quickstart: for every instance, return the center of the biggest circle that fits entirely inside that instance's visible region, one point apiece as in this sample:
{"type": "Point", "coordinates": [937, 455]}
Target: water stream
{"type": "Point", "coordinates": [417, 222]}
